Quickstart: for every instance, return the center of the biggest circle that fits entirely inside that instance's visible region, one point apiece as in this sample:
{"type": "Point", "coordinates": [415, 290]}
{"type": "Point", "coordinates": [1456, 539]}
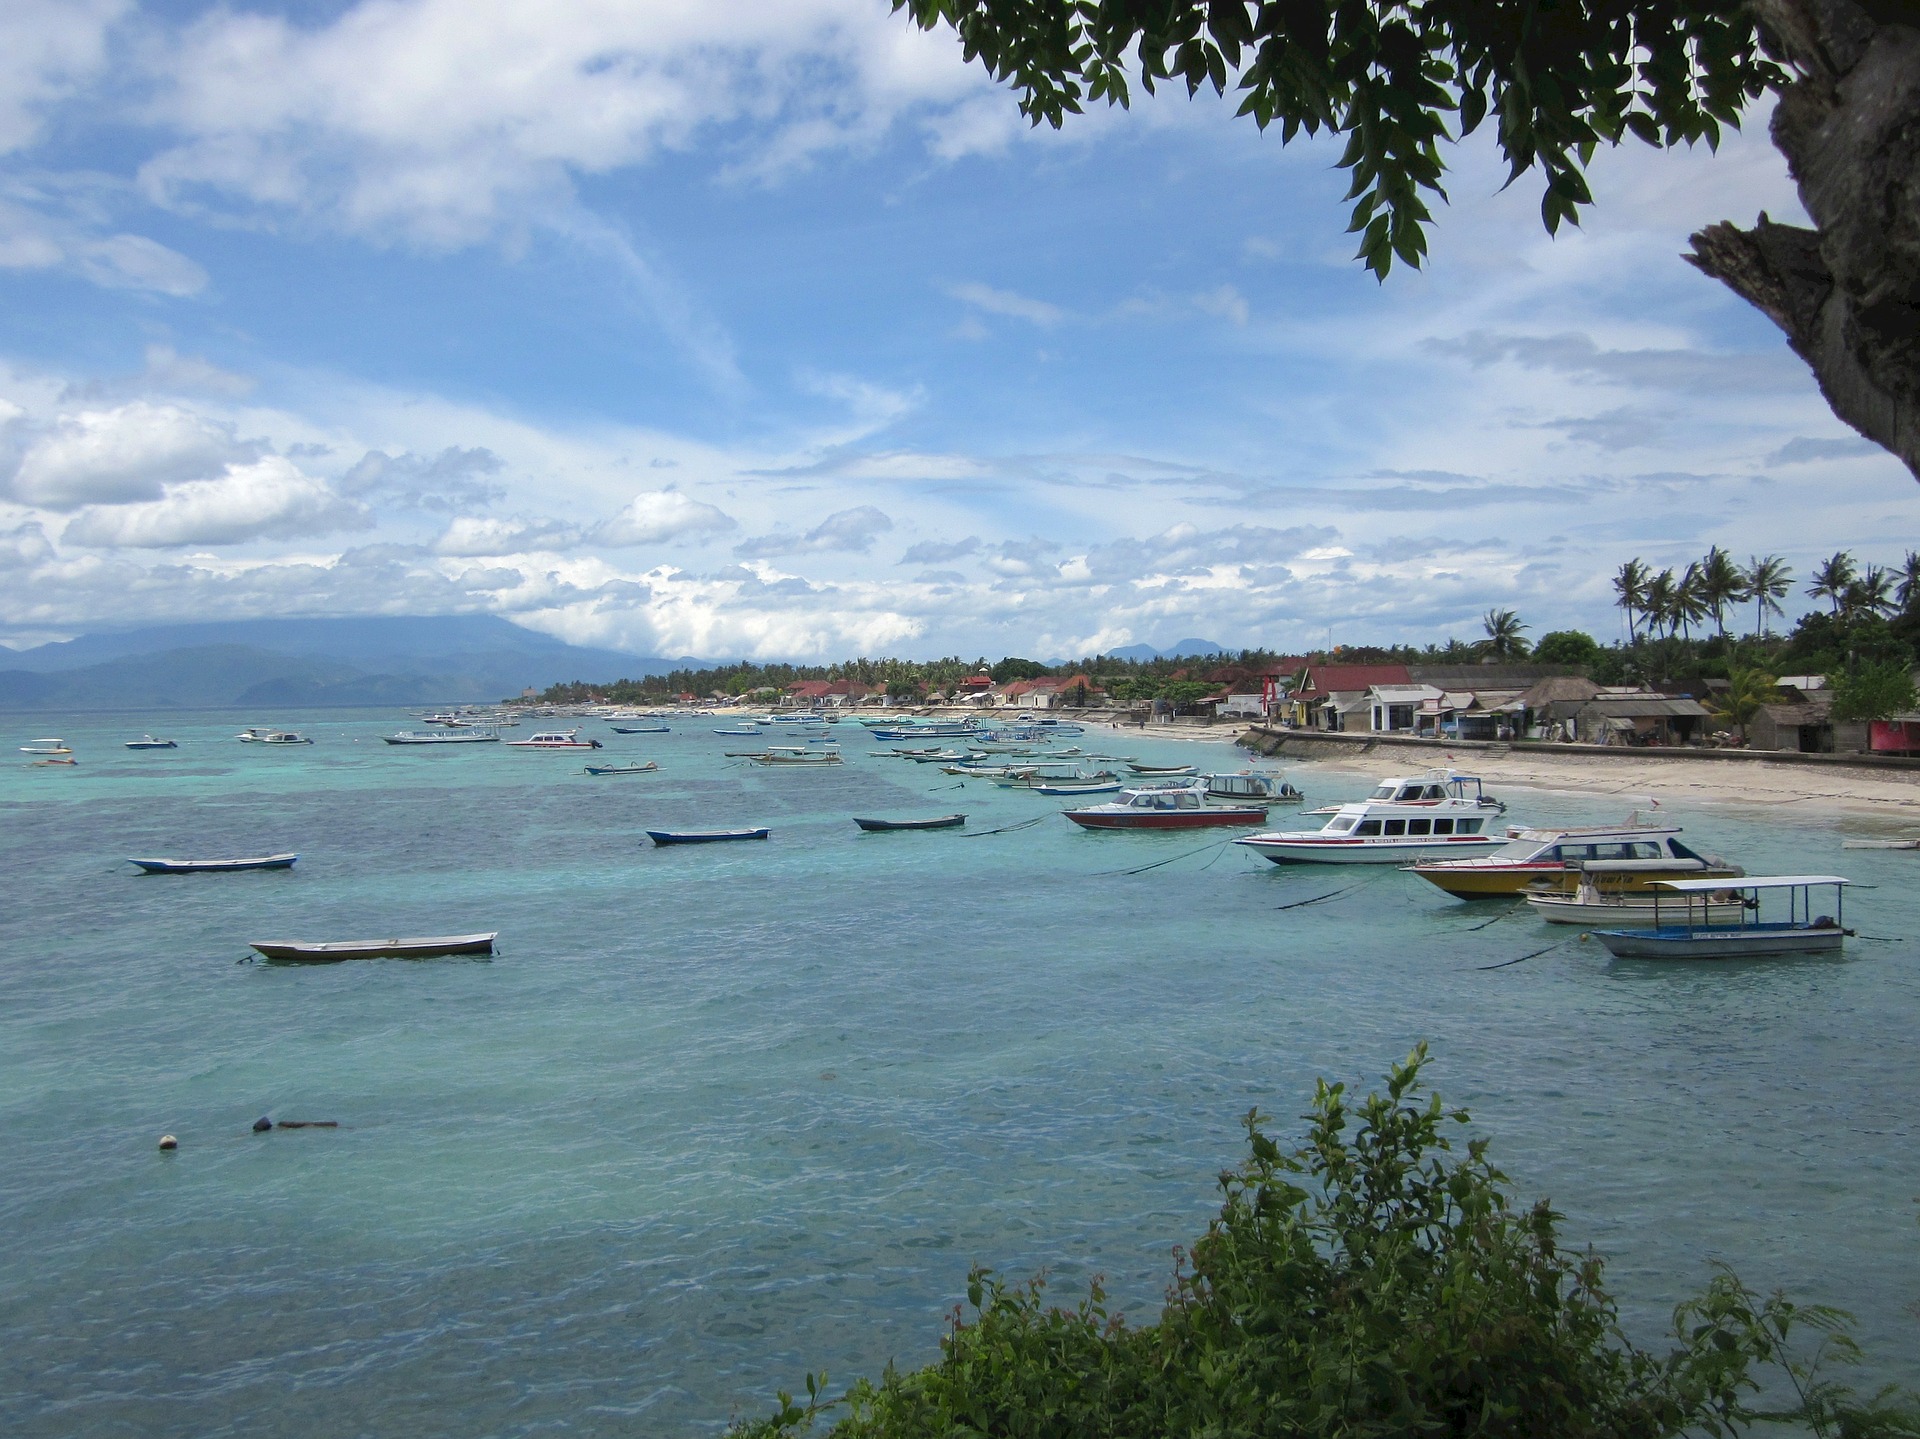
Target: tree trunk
{"type": "Point", "coordinates": [1847, 293]}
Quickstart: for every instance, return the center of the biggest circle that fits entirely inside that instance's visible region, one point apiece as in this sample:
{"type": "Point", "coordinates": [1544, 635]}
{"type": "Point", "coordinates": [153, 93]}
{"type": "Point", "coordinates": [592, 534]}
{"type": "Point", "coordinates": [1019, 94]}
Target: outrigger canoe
{"type": "Point", "coordinates": [214, 866]}
{"type": "Point", "coordinates": [429, 947]}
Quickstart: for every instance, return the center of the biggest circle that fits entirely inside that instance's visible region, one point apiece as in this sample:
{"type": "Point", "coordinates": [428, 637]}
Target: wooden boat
{"type": "Point", "coordinates": [445, 737]}
{"type": "Point", "coordinates": [945, 821]}
{"type": "Point", "coordinates": [46, 746]}
{"type": "Point", "coordinates": [640, 729]}
{"type": "Point", "coordinates": [147, 741]}
{"type": "Point", "coordinates": [1100, 786]}
{"type": "Point", "coordinates": [797, 754]}
{"type": "Point", "coordinates": [428, 947]}
{"type": "Point", "coordinates": [1880, 844]}
{"type": "Point", "coordinates": [69, 760]}
{"type": "Point", "coordinates": [1164, 809]}
{"type": "Point", "coordinates": [257, 735]}
{"type": "Point", "coordinates": [214, 866]}
{"type": "Point", "coordinates": [563, 739]}
{"type": "Point", "coordinates": [1161, 768]}
{"type": "Point", "coordinates": [738, 730]}
{"type": "Point", "coordinates": [648, 768]}
{"type": "Point", "coordinates": [1681, 929]}
{"type": "Point", "coordinates": [1596, 904]}
{"type": "Point", "coordinates": [664, 837]}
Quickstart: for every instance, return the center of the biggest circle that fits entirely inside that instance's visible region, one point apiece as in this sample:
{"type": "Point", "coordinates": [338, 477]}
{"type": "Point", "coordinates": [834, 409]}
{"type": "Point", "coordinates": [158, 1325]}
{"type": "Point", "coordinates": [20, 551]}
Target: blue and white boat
{"type": "Point", "coordinates": [1684, 927]}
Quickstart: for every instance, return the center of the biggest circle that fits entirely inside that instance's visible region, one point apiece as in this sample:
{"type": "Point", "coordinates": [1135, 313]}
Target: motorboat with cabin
{"type": "Point", "coordinates": [1165, 808]}
{"type": "Point", "coordinates": [147, 741]}
{"type": "Point", "coordinates": [443, 737]}
{"type": "Point", "coordinates": [1252, 784]}
{"type": "Point", "coordinates": [256, 734]}
{"type": "Point", "coordinates": [1682, 930]}
{"type": "Point", "coordinates": [561, 739]}
{"type": "Point", "coordinates": [1412, 817]}
{"type": "Point", "coordinates": [1632, 856]}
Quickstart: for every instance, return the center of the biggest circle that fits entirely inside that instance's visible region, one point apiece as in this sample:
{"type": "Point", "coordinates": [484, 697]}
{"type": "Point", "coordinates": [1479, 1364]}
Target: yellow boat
{"type": "Point", "coordinates": [1632, 856]}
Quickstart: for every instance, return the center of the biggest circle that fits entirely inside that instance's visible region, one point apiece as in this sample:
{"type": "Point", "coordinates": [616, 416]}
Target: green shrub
{"type": "Point", "coordinates": [1373, 1282]}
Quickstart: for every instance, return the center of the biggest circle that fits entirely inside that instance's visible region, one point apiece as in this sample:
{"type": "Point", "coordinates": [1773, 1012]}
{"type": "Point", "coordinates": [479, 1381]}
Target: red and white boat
{"type": "Point", "coordinates": [564, 739]}
{"type": "Point", "coordinates": [1436, 815]}
{"type": "Point", "coordinates": [1185, 808]}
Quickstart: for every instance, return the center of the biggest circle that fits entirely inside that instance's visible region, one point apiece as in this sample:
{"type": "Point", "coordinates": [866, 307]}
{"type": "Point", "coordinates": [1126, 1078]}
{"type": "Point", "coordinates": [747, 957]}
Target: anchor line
{"type": "Point", "coordinates": [1521, 960]}
{"type": "Point", "coordinates": [1109, 873]}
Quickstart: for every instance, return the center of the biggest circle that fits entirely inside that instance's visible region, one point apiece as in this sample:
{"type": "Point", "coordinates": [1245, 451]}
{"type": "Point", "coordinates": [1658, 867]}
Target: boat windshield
{"type": "Point", "coordinates": [1340, 824]}
{"type": "Point", "coordinates": [1386, 791]}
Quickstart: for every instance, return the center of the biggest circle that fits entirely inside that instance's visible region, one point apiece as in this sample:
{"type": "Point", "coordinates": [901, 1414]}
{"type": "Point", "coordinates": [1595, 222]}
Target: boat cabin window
{"type": "Point", "coordinates": [1412, 791]}
{"type": "Point", "coordinates": [1436, 791]}
{"type": "Point", "coordinates": [1419, 826]}
{"type": "Point", "coordinates": [1468, 826]}
{"type": "Point", "coordinates": [1386, 791]}
{"type": "Point", "coordinates": [1443, 826]}
{"type": "Point", "coordinates": [1367, 826]}
{"type": "Point", "coordinates": [1644, 849]}
{"type": "Point", "coordinates": [1396, 826]}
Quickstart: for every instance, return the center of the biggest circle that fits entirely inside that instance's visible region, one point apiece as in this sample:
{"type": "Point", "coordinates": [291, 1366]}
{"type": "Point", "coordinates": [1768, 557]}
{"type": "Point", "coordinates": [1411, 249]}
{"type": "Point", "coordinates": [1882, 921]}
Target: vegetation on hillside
{"type": "Point", "coordinates": [1373, 1281]}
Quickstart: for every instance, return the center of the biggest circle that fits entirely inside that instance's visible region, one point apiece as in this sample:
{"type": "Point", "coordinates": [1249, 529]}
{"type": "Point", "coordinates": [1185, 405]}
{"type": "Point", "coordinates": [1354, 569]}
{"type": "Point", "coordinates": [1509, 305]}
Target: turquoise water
{"type": "Point", "coordinates": [717, 1116]}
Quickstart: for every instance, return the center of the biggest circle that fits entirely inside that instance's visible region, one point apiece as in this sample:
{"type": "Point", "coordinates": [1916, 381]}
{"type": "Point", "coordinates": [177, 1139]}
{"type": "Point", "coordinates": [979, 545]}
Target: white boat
{"type": "Point", "coordinates": [1596, 905]}
{"type": "Point", "coordinates": [46, 746]}
{"type": "Point", "coordinates": [1634, 854]}
{"type": "Point", "coordinates": [424, 947]}
{"type": "Point", "coordinates": [797, 754]}
{"type": "Point", "coordinates": [1429, 816]}
{"type": "Point", "coordinates": [258, 735]}
{"type": "Point", "coordinates": [559, 739]}
{"type": "Point", "coordinates": [1682, 931]}
{"type": "Point", "coordinates": [444, 737]}
{"type": "Point", "coordinates": [1252, 784]}
{"type": "Point", "coordinates": [147, 741]}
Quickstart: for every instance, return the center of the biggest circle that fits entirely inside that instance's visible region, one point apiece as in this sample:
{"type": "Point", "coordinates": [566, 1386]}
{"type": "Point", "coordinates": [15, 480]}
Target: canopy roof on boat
{"type": "Point", "coordinates": [1771, 881]}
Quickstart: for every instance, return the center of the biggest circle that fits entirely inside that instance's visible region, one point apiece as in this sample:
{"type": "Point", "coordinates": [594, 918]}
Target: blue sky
{"type": "Point", "coordinates": [767, 328]}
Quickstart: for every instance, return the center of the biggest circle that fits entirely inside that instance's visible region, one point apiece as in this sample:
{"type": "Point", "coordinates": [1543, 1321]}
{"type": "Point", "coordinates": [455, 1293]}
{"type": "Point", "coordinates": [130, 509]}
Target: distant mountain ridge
{"type": "Point", "coordinates": [1179, 649]}
{"type": "Point", "coordinates": [440, 659]}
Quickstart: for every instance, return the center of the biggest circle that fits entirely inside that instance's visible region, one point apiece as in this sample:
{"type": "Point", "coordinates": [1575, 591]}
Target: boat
{"type": "Point", "coordinates": [739, 730]}
{"type": "Point", "coordinates": [46, 746]}
{"type": "Point", "coordinates": [1681, 929]}
{"type": "Point", "coordinates": [445, 737]}
{"type": "Point", "coordinates": [1635, 854]}
{"type": "Point", "coordinates": [1413, 817]}
{"type": "Point", "coordinates": [797, 754]}
{"type": "Point", "coordinates": [1166, 769]}
{"type": "Point", "coordinates": [1073, 787]}
{"type": "Point", "coordinates": [1594, 903]}
{"type": "Point", "coordinates": [1880, 844]}
{"type": "Point", "coordinates": [1032, 776]}
{"type": "Point", "coordinates": [561, 739]}
{"type": "Point", "coordinates": [147, 741]}
{"type": "Point", "coordinates": [214, 866]}
{"type": "Point", "coordinates": [945, 821]}
{"type": "Point", "coordinates": [56, 760]}
{"type": "Point", "coordinates": [1164, 809]}
{"type": "Point", "coordinates": [427, 947]}
{"type": "Point", "coordinates": [648, 768]}
{"type": "Point", "coordinates": [664, 837]}
{"type": "Point", "coordinates": [258, 735]}
{"type": "Point", "coordinates": [641, 729]}
{"type": "Point", "coordinates": [934, 729]}
{"type": "Point", "coordinates": [1251, 784]}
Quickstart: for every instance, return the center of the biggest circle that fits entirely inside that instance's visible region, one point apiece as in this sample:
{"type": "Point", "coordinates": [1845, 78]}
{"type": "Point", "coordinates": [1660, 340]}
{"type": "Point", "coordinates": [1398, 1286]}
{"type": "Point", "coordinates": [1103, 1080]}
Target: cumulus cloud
{"type": "Point", "coordinates": [48, 48]}
{"type": "Point", "coordinates": [936, 552]}
{"type": "Point", "coordinates": [658, 515]}
{"type": "Point", "coordinates": [267, 497]}
{"type": "Point", "coordinates": [851, 530]}
{"type": "Point", "coordinates": [472, 535]}
{"type": "Point", "coordinates": [126, 454]}
{"type": "Point", "coordinates": [452, 481]}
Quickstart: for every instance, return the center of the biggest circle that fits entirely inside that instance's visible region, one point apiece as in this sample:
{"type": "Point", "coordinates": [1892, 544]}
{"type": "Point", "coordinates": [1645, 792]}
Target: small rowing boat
{"type": "Point", "coordinates": [290, 951]}
{"type": "Point", "coordinates": [1161, 768]}
{"type": "Point", "coordinates": [640, 729]}
{"type": "Point", "coordinates": [945, 821]}
{"type": "Point", "coordinates": [214, 866]}
{"type": "Point", "coordinates": [664, 837]}
{"type": "Point", "coordinates": [648, 768]}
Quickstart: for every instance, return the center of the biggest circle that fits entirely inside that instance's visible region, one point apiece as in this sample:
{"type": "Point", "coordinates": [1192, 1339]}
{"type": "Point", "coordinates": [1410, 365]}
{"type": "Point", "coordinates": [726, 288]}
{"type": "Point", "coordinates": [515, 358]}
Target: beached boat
{"type": "Point", "coordinates": [214, 866]}
{"type": "Point", "coordinates": [641, 729]}
{"type": "Point", "coordinates": [945, 821]}
{"type": "Point", "coordinates": [1166, 769]}
{"type": "Point", "coordinates": [1635, 855]}
{"type": "Point", "coordinates": [1164, 809]}
{"type": "Point", "coordinates": [1681, 929]}
{"type": "Point", "coordinates": [1405, 818]}
{"type": "Point", "coordinates": [46, 746]}
{"type": "Point", "coordinates": [443, 737]}
{"type": "Point", "coordinates": [664, 837]}
{"type": "Point", "coordinates": [258, 735]}
{"type": "Point", "coordinates": [147, 741]}
{"type": "Point", "coordinates": [333, 951]}
{"type": "Point", "coordinates": [1252, 784]}
{"type": "Point", "coordinates": [560, 739]}
{"type": "Point", "coordinates": [797, 754]}
{"type": "Point", "coordinates": [650, 767]}
{"type": "Point", "coordinates": [1596, 903]}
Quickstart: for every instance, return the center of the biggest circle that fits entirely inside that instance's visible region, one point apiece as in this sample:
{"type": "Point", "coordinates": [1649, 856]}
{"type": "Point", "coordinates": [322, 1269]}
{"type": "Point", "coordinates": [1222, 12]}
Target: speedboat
{"type": "Point", "coordinates": [46, 746]}
{"type": "Point", "coordinates": [1682, 930]}
{"type": "Point", "coordinates": [1405, 818]}
{"type": "Point", "coordinates": [257, 735]}
{"type": "Point", "coordinates": [444, 737]}
{"type": "Point", "coordinates": [147, 741]}
{"type": "Point", "coordinates": [1633, 855]}
{"type": "Point", "coordinates": [561, 739]}
{"type": "Point", "coordinates": [1164, 809]}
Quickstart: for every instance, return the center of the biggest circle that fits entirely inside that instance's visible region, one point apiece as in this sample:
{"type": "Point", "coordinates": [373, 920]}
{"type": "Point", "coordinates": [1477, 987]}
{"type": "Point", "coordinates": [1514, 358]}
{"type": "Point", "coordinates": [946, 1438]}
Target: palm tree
{"type": "Point", "coordinates": [1503, 634]}
{"type": "Point", "coordinates": [1689, 605]}
{"type": "Point", "coordinates": [1909, 591]}
{"type": "Point", "coordinates": [1831, 579]}
{"type": "Point", "coordinates": [1767, 579]}
{"type": "Point", "coordinates": [1747, 690]}
{"type": "Point", "coordinates": [1870, 594]}
{"type": "Point", "coordinates": [1658, 601]}
{"type": "Point", "coordinates": [1630, 585]}
{"type": "Point", "coordinates": [1721, 584]}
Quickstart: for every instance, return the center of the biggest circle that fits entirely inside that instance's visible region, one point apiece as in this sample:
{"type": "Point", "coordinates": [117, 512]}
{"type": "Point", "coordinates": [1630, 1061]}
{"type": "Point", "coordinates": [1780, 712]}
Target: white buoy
{"type": "Point", "coordinates": [167, 1141]}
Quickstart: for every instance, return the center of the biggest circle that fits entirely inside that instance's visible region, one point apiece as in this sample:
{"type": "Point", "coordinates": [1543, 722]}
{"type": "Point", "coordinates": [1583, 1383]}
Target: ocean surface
{"type": "Point", "coordinates": [714, 1117]}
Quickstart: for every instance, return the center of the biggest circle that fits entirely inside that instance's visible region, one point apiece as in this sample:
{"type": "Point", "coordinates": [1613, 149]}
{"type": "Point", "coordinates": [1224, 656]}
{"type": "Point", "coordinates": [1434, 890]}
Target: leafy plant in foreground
{"type": "Point", "coordinates": [1374, 1281]}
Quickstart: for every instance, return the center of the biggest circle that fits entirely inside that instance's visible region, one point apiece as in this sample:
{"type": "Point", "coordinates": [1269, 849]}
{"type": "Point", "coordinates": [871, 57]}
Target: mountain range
{"type": "Point", "coordinates": [1178, 650]}
{"type": "Point", "coordinates": [420, 660]}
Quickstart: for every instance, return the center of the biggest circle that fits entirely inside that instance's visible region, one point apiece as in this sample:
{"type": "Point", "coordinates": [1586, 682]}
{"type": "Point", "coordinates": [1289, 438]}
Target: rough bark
{"type": "Point", "coordinates": [1847, 292]}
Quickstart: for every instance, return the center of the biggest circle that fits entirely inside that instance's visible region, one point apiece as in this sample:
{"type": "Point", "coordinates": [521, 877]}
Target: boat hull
{"type": "Point", "coordinates": [1311, 849]}
{"type": "Point", "coordinates": [151, 744]}
{"type": "Point", "coordinates": [214, 866]}
{"type": "Point", "coordinates": [1746, 942]}
{"type": "Point", "coordinates": [1167, 819]}
{"type": "Point", "coordinates": [650, 767]}
{"type": "Point", "coordinates": [664, 837]}
{"type": "Point", "coordinates": [881, 826]}
{"type": "Point", "coordinates": [1506, 880]}
{"type": "Point", "coordinates": [425, 947]}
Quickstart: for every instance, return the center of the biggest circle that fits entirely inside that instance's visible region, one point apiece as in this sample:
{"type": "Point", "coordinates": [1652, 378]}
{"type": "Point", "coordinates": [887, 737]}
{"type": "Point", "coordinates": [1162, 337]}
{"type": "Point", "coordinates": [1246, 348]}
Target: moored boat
{"type": "Point", "coordinates": [945, 821]}
{"type": "Point", "coordinates": [1595, 904]}
{"type": "Point", "coordinates": [1681, 931]}
{"type": "Point", "coordinates": [664, 837]}
{"type": "Point", "coordinates": [443, 737]}
{"type": "Point", "coordinates": [650, 767]}
{"type": "Point", "coordinates": [214, 866]}
{"type": "Point", "coordinates": [1166, 769]}
{"type": "Point", "coordinates": [257, 734]}
{"type": "Point", "coordinates": [1073, 787]}
{"type": "Point", "coordinates": [1405, 818]}
{"type": "Point", "coordinates": [797, 754]}
{"type": "Point", "coordinates": [563, 739]}
{"type": "Point", "coordinates": [641, 729]}
{"type": "Point", "coordinates": [1164, 809]}
{"type": "Point", "coordinates": [147, 741]}
{"type": "Point", "coordinates": [46, 746]}
{"type": "Point", "coordinates": [1252, 784]}
{"type": "Point", "coordinates": [1635, 855]}
{"type": "Point", "coordinates": [332, 951]}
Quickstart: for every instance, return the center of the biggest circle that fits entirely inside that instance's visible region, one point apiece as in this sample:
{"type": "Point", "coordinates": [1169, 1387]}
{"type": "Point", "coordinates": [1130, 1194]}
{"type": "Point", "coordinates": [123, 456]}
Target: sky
{"type": "Point", "coordinates": [767, 328]}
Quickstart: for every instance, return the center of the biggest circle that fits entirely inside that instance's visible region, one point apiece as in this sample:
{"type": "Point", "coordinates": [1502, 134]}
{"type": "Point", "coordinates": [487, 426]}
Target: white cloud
{"type": "Point", "coordinates": [122, 455]}
{"type": "Point", "coordinates": [48, 48]}
{"type": "Point", "coordinates": [851, 530]}
{"type": "Point", "coordinates": [660, 515]}
{"type": "Point", "coordinates": [474, 536]}
{"type": "Point", "coordinates": [37, 237]}
{"type": "Point", "coordinates": [268, 497]}
{"type": "Point", "coordinates": [1008, 303]}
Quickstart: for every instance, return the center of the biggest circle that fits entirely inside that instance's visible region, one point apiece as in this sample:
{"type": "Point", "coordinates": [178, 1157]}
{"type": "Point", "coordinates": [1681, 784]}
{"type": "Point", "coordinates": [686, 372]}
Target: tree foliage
{"type": "Point", "coordinates": [1396, 78]}
{"type": "Point", "coordinates": [1873, 691]}
{"type": "Point", "coordinates": [1374, 1281]}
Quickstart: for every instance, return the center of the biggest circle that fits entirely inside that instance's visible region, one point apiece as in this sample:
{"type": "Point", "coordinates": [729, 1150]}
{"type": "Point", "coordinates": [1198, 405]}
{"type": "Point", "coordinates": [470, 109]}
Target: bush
{"type": "Point", "coordinates": [1372, 1283]}
{"type": "Point", "coordinates": [1872, 691]}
